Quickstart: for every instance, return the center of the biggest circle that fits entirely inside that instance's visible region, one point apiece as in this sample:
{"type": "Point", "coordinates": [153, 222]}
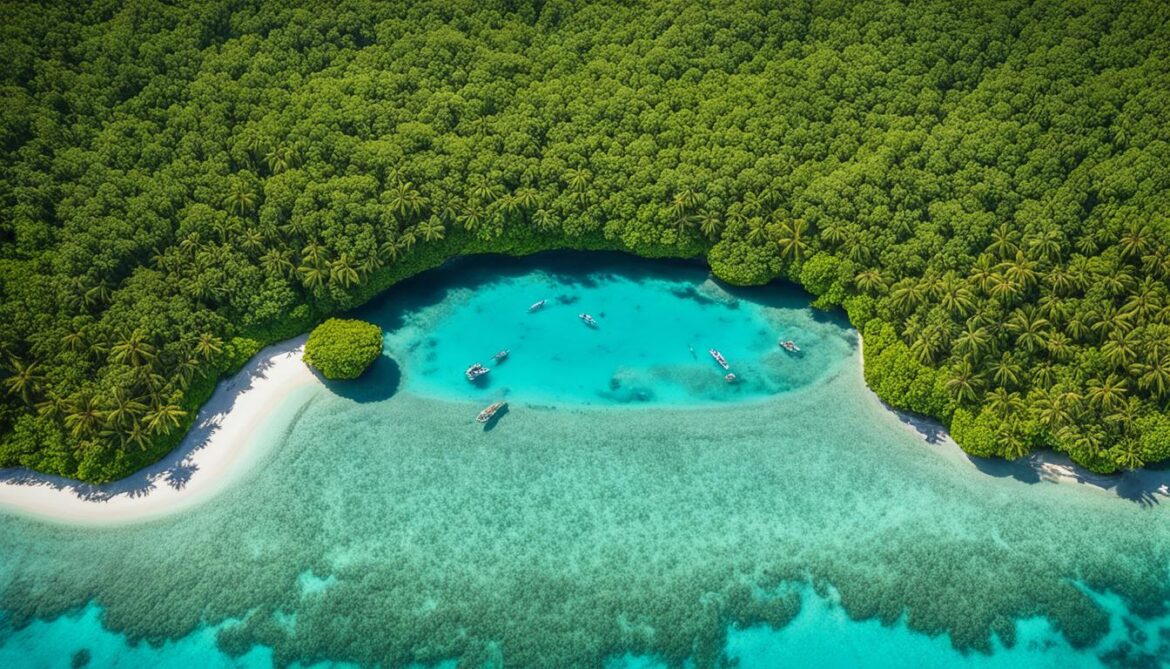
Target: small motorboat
{"type": "Point", "coordinates": [719, 358]}
{"type": "Point", "coordinates": [537, 306]}
{"type": "Point", "coordinates": [487, 414]}
{"type": "Point", "coordinates": [501, 356]}
{"type": "Point", "coordinates": [475, 371]}
{"type": "Point", "coordinates": [790, 346]}
{"type": "Point", "coordinates": [730, 378]}
{"type": "Point", "coordinates": [588, 320]}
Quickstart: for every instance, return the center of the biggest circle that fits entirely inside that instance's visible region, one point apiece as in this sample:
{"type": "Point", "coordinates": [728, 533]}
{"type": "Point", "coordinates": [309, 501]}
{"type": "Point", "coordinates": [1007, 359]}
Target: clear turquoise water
{"type": "Point", "coordinates": [650, 347]}
{"type": "Point", "coordinates": [796, 522]}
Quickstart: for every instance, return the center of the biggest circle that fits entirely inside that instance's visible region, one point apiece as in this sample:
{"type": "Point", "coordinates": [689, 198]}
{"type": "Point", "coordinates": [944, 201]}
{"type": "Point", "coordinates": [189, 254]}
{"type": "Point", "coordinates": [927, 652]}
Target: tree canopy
{"type": "Point", "coordinates": [343, 348]}
{"type": "Point", "coordinates": [982, 186]}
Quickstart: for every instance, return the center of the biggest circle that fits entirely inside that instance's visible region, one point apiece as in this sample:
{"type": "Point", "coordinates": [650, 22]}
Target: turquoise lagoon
{"type": "Point", "coordinates": [630, 510]}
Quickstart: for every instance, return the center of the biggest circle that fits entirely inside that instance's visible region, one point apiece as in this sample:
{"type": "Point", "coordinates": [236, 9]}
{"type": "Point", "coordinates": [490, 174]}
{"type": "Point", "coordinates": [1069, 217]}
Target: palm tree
{"type": "Point", "coordinates": [1129, 454]}
{"type": "Point", "coordinates": [84, 417]}
{"type": "Point", "coordinates": [99, 293]}
{"type": "Point", "coordinates": [1154, 375]}
{"type": "Point", "coordinates": [792, 239]}
{"type": "Point", "coordinates": [908, 295]}
{"type": "Point", "coordinates": [137, 435]}
{"type": "Point", "coordinates": [1060, 280]}
{"type": "Point", "coordinates": [973, 340]}
{"type": "Point", "coordinates": [1005, 371]}
{"type": "Point", "coordinates": [1020, 270]}
{"type": "Point", "coordinates": [954, 296]}
{"type": "Point", "coordinates": [276, 262]}
{"type": "Point", "coordinates": [404, 201]}
{"type": "Point", "coordinates": [1012, 445]}
{"type": "Point", "coordinates": [757, 232]}
{"type": "Point", "coordinates": [1002, 241]}
{"type": "Point", "coordinates": [1108, 394]}
{"type": "Point", "coordinates": [1048, 243]}
{"type": "Point", "coordinates": [1053, 409]}
{"type": "Point", "coordinates": [1044, 374]}
{"type": "Point", "coordinates": [578, 180]}
{"type": "Point", "coordinates": [1135, 242]}
{"type": "Point", "coordinates": [543, 220]}
{"type": "Point", "coordinates": [1126, 415]}
{"type": "Point", "coordinates": [1028, 328]}
{"type": "Point", "coordinates": [929, 343]}
{"type": "Point", "coordinates": [983, 274]}
{"type": "Point", "coordinates": [710, 223]}
{"type": "Point", "coordinates": [526, 198]}
{"type": "Point", "coordinates": [313, 253]}
{"type": "Point", "coordinates": [52, 406]}
{"type": "Point", "coordinates": [342, 270]}
{"type": "Point", "coordinates": [870, 280]}
{"type": "Point", "coordinates": [240, 199]}
{"type": "Point", "coordinates": [1004, 403]}
{"type": "Point", "coordinates": [25, 380]}
{"type": "Point", "coordinates": [472, 217]}
{"type": "Point", "coordinates": [122, 409]}
{"type": "Point", "coordinates": [208, 345]}
{"type": "Point", "coordinates": [431, 229]}
{"type": "Point", "coordinates": [1146, 300]}
{"type": "Point", "coordinates": [965, 383]}
{"type": "Point", "coordinates": [312, 276]}
{"type": "Point", "coordinates": [281, 159]}
{"type": "Point", "coordinates": [133, 350]}
{"type": "Point", "coordinates": [1058, 345]}
{"type": "Point", "coordinates": [163, 418]}
{"type": "Point", "coordinates": [1121, 349]}
{"type": "Point", "coordinates": [834, 232]}
{"type": "Point", "coordinates": [484, 190]}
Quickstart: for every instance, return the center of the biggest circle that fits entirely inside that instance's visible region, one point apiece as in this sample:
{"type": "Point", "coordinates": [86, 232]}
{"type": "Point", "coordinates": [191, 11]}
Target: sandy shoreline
{"type": "Point", "coordinates": [212, 455]}
{"type": "Point", "coordinates": [220, 447]}
{"type": "Point", "coordinates": [1144, 485]}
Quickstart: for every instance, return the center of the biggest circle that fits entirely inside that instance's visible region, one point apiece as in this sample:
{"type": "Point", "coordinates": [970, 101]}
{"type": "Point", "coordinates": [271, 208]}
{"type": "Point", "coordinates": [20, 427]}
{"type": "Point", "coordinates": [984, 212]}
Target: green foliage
{"type": "Point", "coordinates": [184, 185]}
{"type": "Point", "coordinates": [343, 349]}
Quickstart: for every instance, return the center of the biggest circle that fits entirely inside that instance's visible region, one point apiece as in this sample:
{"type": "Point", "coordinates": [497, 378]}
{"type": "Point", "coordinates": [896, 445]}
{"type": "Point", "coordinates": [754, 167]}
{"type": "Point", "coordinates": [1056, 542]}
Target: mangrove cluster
{"type": "Point", "coordinates": [983, 186]}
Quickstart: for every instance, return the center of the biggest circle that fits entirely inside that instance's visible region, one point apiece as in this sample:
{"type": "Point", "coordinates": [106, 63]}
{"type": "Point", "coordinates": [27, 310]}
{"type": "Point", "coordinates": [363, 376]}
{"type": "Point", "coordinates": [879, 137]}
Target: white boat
{"type": "Point", "coordinates": [719, 358]}
{"type": "Point", "coordinates": [588, 320]}
{"type": "Point", "coordinates": [790, 346]}
{"type": "Point", "coordinates": [537, 306]}
{"type": "Point", "coordinates": [499, 357]}
{"type": "Point", "coordinates": [475, 371]}
{"type": "Point", "coordinates": [730, 378]}
{"type": "Point", "coordinates": [486, 415]}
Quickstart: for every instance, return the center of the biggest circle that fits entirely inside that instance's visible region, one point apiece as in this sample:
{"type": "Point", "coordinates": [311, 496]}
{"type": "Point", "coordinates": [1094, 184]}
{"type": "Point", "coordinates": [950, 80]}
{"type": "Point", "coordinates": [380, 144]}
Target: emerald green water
{"type": "Point", "coordinates": [793, 520]}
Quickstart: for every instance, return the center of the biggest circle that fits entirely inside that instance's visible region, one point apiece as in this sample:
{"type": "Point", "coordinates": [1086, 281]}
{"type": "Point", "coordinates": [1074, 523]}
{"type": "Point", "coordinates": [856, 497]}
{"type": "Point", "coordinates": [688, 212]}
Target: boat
{"type": "Point", "coordinates": [487, 414]}
{"type": "Point", "coordinates": [719, 358]}
{"type": "Point", "coordinates": [790, 346]}
{"type": "Point", "coordinates": [537, 306]}
{"type": "Point", "coordinates": [730, 378]}
{"type": "Point", "coordinates": [499, 357]}
{"type": "Point", "coordinates": [588, 320]}
{"type": "Point", "coordinates": [475, 371]}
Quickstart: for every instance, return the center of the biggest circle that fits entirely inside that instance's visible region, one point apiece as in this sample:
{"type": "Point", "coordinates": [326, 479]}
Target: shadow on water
{"type": "Point", "coordinates": [380, 382]}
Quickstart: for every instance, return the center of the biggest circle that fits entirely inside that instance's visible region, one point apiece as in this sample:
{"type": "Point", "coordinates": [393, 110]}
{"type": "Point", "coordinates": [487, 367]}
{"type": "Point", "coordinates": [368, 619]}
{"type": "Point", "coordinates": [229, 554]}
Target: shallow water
{"type": "Point", "coordinates": [805, 525]}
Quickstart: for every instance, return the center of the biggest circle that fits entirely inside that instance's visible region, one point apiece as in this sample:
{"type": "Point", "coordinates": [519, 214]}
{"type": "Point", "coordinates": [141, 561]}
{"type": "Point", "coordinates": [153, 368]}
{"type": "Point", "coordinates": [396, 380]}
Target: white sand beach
{"type": "Point", "coordinates": [1143, 486]}
{"type": "Point", "coordinates": [218, 449]}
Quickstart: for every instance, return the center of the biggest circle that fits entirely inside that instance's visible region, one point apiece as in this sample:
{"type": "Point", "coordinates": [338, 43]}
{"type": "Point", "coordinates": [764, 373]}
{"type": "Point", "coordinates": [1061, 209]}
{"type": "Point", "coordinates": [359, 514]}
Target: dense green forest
{"type": "Point", "coordinates": [983, 186]}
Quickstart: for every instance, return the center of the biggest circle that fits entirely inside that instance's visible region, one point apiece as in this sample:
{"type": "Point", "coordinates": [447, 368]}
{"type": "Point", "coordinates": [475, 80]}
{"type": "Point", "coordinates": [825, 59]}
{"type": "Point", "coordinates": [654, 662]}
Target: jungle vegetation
{"type": "Point", "coordinates": [342, 348]}
{"type": "Point", "coordinates": [983, 186]}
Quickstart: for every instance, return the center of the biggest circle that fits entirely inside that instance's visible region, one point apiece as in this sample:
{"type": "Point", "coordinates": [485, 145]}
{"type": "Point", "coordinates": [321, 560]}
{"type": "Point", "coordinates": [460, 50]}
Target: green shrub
{"type": "Point", "coordinates": [343, 349]}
